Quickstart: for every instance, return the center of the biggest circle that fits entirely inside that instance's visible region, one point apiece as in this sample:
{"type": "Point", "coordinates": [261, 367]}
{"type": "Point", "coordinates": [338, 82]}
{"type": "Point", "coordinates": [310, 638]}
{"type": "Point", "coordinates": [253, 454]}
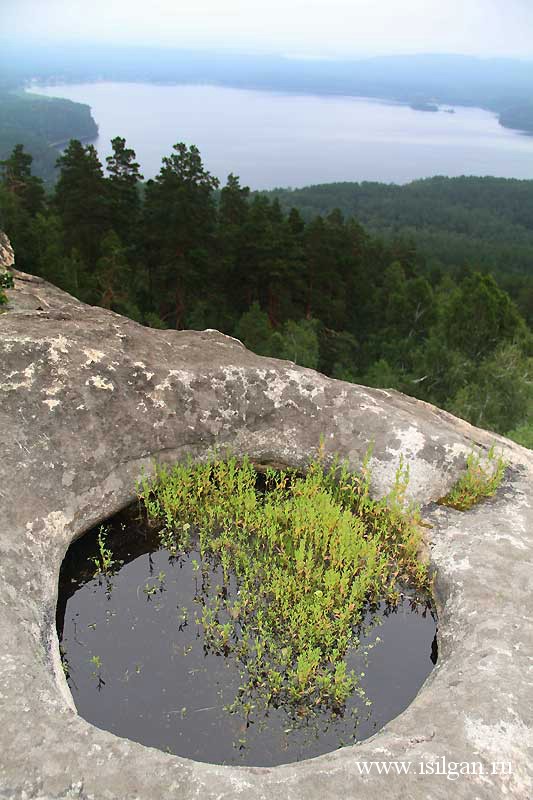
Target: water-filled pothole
{"type": "Point", "coordinates": [138, 664]}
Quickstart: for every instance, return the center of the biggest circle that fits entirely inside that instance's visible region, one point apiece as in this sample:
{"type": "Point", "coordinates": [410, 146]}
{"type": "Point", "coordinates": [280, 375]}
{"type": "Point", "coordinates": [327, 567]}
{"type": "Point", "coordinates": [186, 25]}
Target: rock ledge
{"type": "Point", "coordinates": [88, 398]}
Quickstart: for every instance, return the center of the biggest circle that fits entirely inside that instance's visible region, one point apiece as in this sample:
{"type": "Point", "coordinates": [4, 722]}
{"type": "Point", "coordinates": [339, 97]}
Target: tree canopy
{"type": "Point", "coordinates": [317, 289]}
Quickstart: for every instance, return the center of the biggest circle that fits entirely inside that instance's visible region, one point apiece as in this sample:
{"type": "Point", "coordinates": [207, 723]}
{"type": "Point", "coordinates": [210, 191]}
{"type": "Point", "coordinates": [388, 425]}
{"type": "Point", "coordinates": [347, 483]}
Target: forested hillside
{"type": "Point", "coordinates": [41, 124]}
{"type": "Point", "coordinates": [322, 291]}
{"type": "Point", "coordinates": [481, 223]}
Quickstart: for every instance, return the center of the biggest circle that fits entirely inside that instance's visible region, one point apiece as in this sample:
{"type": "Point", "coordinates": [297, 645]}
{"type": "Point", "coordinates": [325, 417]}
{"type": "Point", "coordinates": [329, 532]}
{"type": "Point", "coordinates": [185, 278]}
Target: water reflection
{"type": "Point", "coordinates": [138, 664]}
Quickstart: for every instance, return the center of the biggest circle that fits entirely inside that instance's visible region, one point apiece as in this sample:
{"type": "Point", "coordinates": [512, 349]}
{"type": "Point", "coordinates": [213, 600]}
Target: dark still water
{"type": "Point", "coordinates": [138, 664]}
{"type": "Point", "coordinates": [273, 139]}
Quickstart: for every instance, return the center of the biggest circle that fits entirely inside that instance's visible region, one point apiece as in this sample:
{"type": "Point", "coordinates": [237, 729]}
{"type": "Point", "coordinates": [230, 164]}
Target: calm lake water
{"type": "Point", "coordinates": [273, 139]}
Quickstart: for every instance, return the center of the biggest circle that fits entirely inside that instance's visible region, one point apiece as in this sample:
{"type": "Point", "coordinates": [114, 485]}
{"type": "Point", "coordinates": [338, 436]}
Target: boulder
{"type": "Point", "coordinates": [88, 399]}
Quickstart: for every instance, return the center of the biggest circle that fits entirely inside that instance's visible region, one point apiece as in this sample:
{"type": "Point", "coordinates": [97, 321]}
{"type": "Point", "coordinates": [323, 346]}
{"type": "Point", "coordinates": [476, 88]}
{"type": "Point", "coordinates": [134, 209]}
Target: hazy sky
{"type": "Point", "coordinates": [300, 27]}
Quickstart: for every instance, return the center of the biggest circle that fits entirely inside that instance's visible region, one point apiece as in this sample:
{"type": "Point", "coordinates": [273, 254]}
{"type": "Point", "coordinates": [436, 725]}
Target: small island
{"type": "Point", "coordinates": [422, 105]}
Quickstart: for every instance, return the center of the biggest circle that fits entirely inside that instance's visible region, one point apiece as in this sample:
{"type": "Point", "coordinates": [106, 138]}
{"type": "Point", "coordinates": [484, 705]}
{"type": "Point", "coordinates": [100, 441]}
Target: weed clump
{"type": "Point", "coordinates": [104, 563]}
{"type": "Point", "coordinates": [299, 563]}
{"type": "Point", "coordinates": [480, 480]}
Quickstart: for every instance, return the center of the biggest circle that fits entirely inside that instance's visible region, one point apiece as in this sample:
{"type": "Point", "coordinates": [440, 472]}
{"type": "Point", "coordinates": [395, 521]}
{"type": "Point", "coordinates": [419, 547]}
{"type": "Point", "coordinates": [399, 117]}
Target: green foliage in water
{"type": "Point", "coordinates": [299, 564]}
{"type": "Point", "coordinates": [104, 563]}
{"type": "Point", "coordinates": [481, 479]}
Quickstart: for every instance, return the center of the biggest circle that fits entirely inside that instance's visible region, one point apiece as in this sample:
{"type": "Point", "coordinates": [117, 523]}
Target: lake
{"type": "Point", "coordinates": [274, 139]}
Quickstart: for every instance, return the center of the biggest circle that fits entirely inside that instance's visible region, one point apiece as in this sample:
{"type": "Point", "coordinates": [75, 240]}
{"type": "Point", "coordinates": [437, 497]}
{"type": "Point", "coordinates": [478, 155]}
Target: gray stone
{"type": "Point", "coordinates": [7, 258]}
{"type": "Point", "coordinates": [88, 399]}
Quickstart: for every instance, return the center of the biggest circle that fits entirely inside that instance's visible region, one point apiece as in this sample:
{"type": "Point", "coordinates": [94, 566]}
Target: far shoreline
{"type": "Point", "coordinates": [293, 138]}
{"type": "Point", "coordinates": [432, 105]}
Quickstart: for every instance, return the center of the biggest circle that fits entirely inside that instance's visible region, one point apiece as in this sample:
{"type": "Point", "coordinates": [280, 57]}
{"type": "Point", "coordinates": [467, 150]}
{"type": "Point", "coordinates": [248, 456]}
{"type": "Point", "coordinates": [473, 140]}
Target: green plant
{"type": "Point", "coordinates": [96, 661]}
{"type": "Point", "coordinates": [150, 591]}
{"type": "Point", "coordinates": [523, 434]}
{"type": "Point", "coordinates": [300, 563]}
{"type": "Point", "coordinates": [481, 479]}
{"type": "Point", "coordinates": [104, 562]}
{"type": "Point", "coordinates": [6, 282]}
{"type": "Point", "coordinates": [65, 666]}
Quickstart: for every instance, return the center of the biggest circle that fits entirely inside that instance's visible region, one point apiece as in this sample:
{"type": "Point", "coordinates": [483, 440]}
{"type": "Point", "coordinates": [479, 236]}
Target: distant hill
{"type": "Point", "coordinates": [504, 86]}
{"type": "Point", "coordinates": [41, 124]}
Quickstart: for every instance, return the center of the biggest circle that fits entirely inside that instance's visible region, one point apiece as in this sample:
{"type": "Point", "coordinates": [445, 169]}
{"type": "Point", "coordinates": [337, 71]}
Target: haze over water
{"type": "Point", "coordinates": [273, 139]}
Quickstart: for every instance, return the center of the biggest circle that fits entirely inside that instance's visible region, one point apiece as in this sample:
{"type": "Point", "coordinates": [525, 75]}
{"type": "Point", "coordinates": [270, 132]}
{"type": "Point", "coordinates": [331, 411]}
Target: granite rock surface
{"type": "Point", "coordinates": [88, 399]}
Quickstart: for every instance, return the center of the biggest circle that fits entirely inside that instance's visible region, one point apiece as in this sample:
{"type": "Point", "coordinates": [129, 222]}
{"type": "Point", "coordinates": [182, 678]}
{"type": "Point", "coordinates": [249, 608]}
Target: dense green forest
{"type": "Point", "coordinates": [41, 124]}
{"type": "Point", "coordinates": [180, 251]}
{"type": "Point", "coordinates": [455, 223]}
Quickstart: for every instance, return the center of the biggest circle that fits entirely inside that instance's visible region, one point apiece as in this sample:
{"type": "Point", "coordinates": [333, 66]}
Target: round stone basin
{"type": "Point", "coordinates": [138, 665]}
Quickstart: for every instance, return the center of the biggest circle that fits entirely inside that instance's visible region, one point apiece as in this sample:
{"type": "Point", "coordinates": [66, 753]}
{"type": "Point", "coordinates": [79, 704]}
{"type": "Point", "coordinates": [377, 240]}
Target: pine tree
{"type": "Point", "coordinates": [479, 316]}
{"type": "Point", "coordinates": [19, 181]}
{"type": "Point", "coordinates": [233, 204]}
{"type": "Point", "coordinates": [180, 218]}
{"type": "Point", "coordinates": [112, 276]}
{"type": "Point", "coordinates": [124, 198]}
{"type": "Point", "coordinates": [81, 200]}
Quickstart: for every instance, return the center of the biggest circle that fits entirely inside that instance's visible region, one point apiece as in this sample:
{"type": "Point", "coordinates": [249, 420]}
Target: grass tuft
{"type": "Point", "coordinates": [480, 480]}
{"type": "Point", "coordinates": [298, 564]}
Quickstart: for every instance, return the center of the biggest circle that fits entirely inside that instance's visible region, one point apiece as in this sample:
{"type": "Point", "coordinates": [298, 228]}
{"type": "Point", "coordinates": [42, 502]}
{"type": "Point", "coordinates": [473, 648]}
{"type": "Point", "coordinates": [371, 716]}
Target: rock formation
{"type": "Point", "coordinates": [88, 399]}
{"type": "Point", "coordinates": [7, 258]}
